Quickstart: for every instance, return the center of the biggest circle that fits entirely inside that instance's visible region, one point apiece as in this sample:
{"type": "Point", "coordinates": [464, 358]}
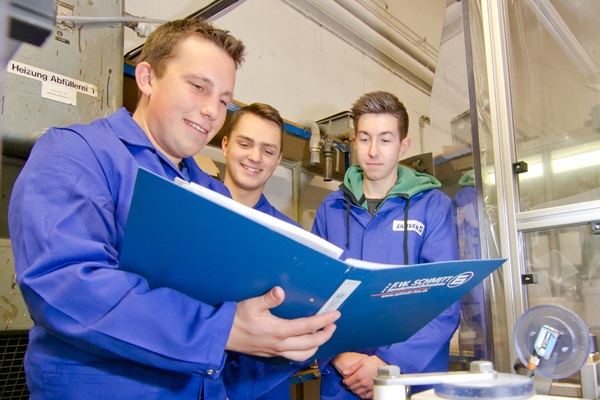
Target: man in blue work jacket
{"type": "Point", "coordinates": [100, 332]}
{"type": "Point", "coordinates": [388, 213]}
{"type": "Point", "coordinates": [253, 148]}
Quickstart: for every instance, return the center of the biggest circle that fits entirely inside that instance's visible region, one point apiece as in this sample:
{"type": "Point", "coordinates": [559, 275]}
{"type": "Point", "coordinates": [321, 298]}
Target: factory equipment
{"type": "Point", "coordinates": [42, 89]}
{"type": "Point", "coordinates": [75, 75]}
{"type": "Point", "coordinates": [479, 381]}
{"type": "Point", "coordinates": [329, 145]}
{"type": "Point", "coordinates": [27, 21]}
{"type": "Point", "coordinates": [552, 342]}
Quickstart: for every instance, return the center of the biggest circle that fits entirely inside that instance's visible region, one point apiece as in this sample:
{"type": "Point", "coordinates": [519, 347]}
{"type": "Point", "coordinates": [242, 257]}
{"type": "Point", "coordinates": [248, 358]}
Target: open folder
{"type": "Point", "coordinates": [186, 237]}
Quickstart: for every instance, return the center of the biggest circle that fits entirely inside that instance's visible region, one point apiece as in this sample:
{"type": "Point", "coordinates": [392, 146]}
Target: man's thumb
{"type": "Point", "coordinates": [274, 297]}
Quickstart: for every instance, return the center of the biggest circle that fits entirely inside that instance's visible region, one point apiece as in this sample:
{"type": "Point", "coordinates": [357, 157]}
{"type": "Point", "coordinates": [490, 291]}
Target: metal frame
{"type": "Point", "coordinates": [512, 222]}
{"type": "Point", "coordinates": [495, 35]}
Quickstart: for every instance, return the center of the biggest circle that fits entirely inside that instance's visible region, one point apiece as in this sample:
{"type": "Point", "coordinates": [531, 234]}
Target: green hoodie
{"type": "Point", "coordinates": [408, 184]}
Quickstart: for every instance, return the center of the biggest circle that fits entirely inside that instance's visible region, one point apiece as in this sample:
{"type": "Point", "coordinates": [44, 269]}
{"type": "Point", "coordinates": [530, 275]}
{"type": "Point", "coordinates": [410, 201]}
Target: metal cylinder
{"type": "Point", "coordinates": [385, 385]}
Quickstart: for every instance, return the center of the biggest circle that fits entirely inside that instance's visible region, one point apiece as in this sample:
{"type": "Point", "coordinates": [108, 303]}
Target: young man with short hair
{"type": "Point", "coordinates": [253, 148]}
{"type": "Point", "coordinates": [100, 332]}
{"type": "Point", "coordinates": [389, 214]}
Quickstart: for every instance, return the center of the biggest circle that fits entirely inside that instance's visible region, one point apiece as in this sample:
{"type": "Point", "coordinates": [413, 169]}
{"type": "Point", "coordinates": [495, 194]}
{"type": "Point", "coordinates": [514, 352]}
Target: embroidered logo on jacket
{"type": "Point", "coordinates": [413, 225]}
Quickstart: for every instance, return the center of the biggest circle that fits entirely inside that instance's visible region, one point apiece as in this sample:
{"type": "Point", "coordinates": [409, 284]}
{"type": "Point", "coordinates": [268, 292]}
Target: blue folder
{"type": "Point", "coordinates": [203, 247]}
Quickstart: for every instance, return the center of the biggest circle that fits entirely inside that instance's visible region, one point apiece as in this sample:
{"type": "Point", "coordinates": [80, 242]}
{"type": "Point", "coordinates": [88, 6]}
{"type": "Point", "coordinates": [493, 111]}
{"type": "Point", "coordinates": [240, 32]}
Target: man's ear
{"type": "Point", "coordinates": [224, 145]}
{"type": "Point", "coordinates": [404, 146]}
{"type": "Point", "coordinates": [144, 77]}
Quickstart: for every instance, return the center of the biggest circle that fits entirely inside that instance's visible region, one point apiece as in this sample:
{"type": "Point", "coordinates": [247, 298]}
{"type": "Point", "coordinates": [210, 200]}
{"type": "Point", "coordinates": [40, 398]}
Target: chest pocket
{"type": "Point", "coordinates": [404, 250]}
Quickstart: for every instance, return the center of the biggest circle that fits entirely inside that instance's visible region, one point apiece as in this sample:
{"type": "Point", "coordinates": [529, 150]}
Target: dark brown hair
{"type": "Point", "coordinates": [381, 103]}
{"type": "Point", "coordinates": [261, 110]}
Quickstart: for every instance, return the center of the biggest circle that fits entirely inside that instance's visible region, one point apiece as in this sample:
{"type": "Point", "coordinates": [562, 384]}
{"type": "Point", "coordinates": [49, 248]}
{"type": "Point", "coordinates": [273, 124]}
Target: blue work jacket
{"type": "Point", "coordinates": [245, 377]}
{"type": "Point", "coordinates": [99, 332]}
{"type": "Point", "coordinates": [428, 216]}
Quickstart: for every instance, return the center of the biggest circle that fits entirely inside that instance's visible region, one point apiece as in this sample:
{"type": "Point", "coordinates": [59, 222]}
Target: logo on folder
{"type": "Point", "coordinates": [460, 279]}
{"type": "Point", "coordinates": [423, 285]}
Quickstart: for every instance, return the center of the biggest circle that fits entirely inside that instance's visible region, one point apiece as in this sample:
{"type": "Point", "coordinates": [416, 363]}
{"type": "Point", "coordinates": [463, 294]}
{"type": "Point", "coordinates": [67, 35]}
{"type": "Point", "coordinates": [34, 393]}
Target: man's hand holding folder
{"type": "Point", "coordinates": [295, 336]}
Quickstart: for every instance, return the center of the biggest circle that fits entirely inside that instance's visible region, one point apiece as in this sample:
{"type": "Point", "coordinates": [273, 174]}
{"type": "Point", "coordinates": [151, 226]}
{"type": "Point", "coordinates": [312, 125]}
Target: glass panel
{"type": "Point", "coordinates": [491, 247]}
{"type": "Point", "coordinates": [566, 262]}
{"type": "Point", "coordinates": [450, 118]}
{"type": "Point", "coordinates": [451, 139]}
{"type": "Point", "coordinates": [554, 54]}
{"type": "Point", "coordinates": [490, 227]}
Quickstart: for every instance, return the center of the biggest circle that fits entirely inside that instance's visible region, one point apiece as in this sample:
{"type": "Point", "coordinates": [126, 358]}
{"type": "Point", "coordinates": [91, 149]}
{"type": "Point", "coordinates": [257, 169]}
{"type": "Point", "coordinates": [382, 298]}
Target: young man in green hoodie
{"type": "Point", "coordinates": [387, 213]}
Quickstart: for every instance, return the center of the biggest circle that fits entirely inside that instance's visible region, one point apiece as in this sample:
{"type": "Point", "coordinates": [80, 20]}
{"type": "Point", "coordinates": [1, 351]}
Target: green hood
{"type": "Point", "coordinates": [408, 184]}
{"type": "Point", "coordinates": [468, 178]}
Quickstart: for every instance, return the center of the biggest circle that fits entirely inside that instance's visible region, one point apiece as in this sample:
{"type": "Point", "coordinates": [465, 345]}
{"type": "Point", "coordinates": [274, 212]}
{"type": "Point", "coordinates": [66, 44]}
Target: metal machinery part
{"type": "Point", "coordinates": [480, 382]}
{"type": "Point", "coordinates": [27, 21]}
{"type": "Point", "coordinates": [555, 336]}
{"type": "Point", "coordinates": [558, 344]}
{"type": "Point", "coordinates": [552, 340]}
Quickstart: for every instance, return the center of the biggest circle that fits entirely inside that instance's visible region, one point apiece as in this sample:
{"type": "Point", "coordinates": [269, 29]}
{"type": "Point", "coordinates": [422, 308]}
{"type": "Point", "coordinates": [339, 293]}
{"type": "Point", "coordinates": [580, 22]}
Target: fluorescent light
{"type": "Point", "coordinates": [576, 157]}
{"type": "Point", "coordinates": [576, 161]}
{"type": "Point", "coordinates": [564, 160]}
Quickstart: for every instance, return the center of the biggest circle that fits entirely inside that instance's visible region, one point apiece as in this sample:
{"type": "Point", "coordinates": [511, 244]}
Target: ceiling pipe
{"type": "Point", "coordinates": [400, 38]}
{"type": "Point", "coordinates": [362, 30]}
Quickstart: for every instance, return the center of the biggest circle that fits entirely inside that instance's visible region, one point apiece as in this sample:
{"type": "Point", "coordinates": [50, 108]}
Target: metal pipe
{"type": "Point", "coordinates": [335, 18]}
{"type": "Point", "coordinates": [375, 39]}
{"type": "Point", "coordinates": [422, 121]}
{"type": "Point", "coordinates": [314, 143]}
{"type": "Point", "coordinates": [400, 38]}
{"type": "Point", "coordinates": [346, 136]}
{"type": "Point", "coordinates": [327, 158]}
{"type": "Point", "coordinates": [100, 20]}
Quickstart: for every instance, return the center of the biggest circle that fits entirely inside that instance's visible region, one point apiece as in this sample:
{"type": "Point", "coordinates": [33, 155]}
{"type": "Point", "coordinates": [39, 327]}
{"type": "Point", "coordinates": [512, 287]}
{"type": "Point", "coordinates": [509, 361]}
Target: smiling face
{"type": "Point", "coordinates": [182, 110]}
{"type": "Point", "coordinates": [252, 152]}
{"type": "Point", "coordinates": [378, 149]}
